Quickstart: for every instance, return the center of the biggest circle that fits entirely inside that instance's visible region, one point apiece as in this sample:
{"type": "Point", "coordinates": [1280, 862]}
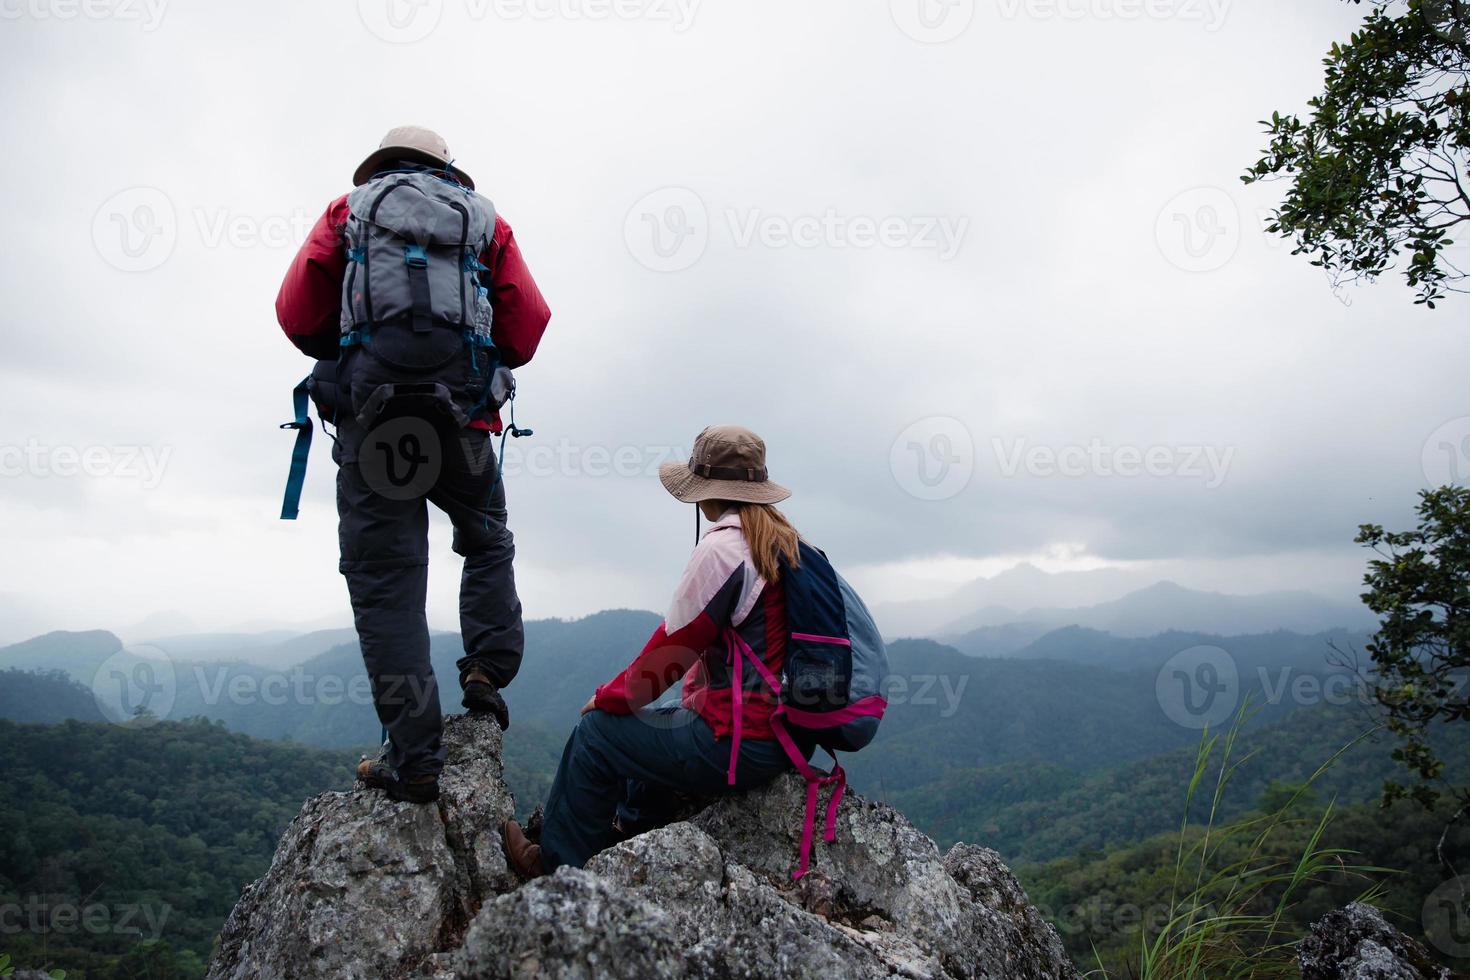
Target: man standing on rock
{"type": "Point", "coordinates": [412, 293]}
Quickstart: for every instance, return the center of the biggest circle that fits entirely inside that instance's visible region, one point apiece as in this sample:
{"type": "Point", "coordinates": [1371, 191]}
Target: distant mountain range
{"type": "Point", "coordinates": [1278, 649]}
{"type": "Point", "coordinates": [300, 687]}
{"type": "Point", "coordinates": [1042, 746]}
{"type": "Point", "coordinates": [303, 687]}
{"type": "Point", "coordinates": [1125, 608]}
{"type": "Point", "coordinates": [993, 616]}
{"type": "Point", "coordinates": [80, 653]}
{"type": "Point", "coordinates": [1023, 587]}
{"type": "Point", "coordinates": [273, 648]}
{"type": "Point", "coordinates": [1075, 698]}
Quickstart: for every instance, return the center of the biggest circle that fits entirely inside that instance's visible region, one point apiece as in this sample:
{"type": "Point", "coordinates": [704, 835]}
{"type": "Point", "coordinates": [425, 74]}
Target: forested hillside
{"type": "Point", "coordinates": [1272, 652]}
{"type": "Point", "coordinates": [953, 714]}
{"type": "Point", "coordinates": [963, 736]}
{"type": "Point", "coordinates": [1063, 753]}
{"type": "Point", "coordinates": [1038, 813]}
{"type": "Point", "coordinates": [124, 847]}
{"type": "Point", "coordinates": [950, 714]}
{"type": "Point", "coordinates": [45, 696]}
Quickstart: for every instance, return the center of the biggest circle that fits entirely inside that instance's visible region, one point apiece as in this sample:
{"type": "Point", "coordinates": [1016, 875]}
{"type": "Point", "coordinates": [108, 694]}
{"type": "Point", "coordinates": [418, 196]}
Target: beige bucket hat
{"type": "Point", "coordinates": [413, 143]}
{"type": "Point", "coordinates": [729, 463]}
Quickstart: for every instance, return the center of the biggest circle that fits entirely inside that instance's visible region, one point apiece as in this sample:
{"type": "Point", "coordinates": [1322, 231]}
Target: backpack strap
{"type": "Point", "coordinates": [837, 778]}
{"type": "Point", "coordinates": [417, 260]}
{"type": "Point", "coordinates": [296, 478]}
{"type": "Point", "coordinates": [737, 702]}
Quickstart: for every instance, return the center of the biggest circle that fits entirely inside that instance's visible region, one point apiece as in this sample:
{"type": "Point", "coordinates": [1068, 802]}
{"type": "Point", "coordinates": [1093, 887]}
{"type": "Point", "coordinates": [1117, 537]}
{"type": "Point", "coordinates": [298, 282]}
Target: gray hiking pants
{"type": "Point", "coordinates": [385, 480]}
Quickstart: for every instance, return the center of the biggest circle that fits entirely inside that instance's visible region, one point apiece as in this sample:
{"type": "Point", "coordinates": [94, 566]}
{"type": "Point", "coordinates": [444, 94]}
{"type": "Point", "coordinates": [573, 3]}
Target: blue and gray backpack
{"type": "Point", "coordinates": [416, 316]}
{"type": "Point", "coordinates": [831, 685]}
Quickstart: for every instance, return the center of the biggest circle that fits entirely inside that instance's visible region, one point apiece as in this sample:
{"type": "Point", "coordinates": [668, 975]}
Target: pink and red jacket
{"type": "Point", "coordinates": [720, 590]}
{"type": "Point", "coordinates": [310, 301]}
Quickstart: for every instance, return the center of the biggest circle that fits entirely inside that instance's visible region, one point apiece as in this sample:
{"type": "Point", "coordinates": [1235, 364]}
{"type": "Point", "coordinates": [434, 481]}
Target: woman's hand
{"type": "Point", "coordinates": [591, 705]}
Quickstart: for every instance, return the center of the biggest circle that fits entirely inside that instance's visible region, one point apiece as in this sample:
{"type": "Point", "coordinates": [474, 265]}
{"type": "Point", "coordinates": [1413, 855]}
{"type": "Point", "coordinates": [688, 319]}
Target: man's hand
{"type": "Point", "coordinates": [591, 705]}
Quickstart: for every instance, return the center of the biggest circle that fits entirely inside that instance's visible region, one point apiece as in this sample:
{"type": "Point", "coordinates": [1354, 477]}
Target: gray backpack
{"type": "Point", "coordinates": [415, 315]}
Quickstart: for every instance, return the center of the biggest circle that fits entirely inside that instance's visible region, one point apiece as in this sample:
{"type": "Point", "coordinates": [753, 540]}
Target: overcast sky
{"type": "Point", "coordinates": [983, 275]}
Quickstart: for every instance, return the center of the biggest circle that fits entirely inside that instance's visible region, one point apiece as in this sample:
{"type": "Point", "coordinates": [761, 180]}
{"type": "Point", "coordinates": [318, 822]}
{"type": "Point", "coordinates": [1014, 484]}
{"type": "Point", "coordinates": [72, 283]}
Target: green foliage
{"type": "Point", "coordinates": [1229, 920]}
{"type": "Point", "coordinates": [6, 970]}
{"type": "Point", "coordinates": [1050, 813]}
{"type": "Point", "coordinates": [959, 715]}
{"type": "Point", "coordinates": [124, 847]}
{"type": "Point", "coordinates": [1420, 586]}
{"type": "Point", "coordinates": [45, 697]}
{"type": "Point", "coordinates": [532, 753]}
{"type": "Point", "coordinates": [1379, 168]}
{"type": "Point", "coordinates": [1280, 795]}
{"type": "Point", "coordinates": [1217, 898]}
{"type": "Point", "coordinates": [1107, 901]}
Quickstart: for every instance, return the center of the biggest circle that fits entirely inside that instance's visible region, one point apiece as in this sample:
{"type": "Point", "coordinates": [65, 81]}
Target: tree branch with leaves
{"type": "Point", "coordinates": [1380, 168]}
{"type": "Point", "coordinates": [1419, 586]}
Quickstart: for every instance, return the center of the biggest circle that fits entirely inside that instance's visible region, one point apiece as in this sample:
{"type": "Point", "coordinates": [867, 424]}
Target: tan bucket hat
{"type": "Point", "coordinates": [413, 143]}
{"type": "Point", "coordinates": [729, 463]}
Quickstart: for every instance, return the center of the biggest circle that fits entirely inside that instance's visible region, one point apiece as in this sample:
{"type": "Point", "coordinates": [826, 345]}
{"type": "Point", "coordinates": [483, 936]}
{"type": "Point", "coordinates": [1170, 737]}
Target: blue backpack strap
{"type": "Point", "coordinates": [508, 428]}
{"type": "Point", "coordinates": [296, 479]}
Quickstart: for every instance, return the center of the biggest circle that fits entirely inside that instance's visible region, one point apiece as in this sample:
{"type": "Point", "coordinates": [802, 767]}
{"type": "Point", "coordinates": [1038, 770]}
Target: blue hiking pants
{"type": "Point", "coordinates": [629, 766]}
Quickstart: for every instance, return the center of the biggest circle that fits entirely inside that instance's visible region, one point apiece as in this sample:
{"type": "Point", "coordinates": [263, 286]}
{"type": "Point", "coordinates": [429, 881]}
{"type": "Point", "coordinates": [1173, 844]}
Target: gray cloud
{"type": "Point", "coordinates": [835, 161]}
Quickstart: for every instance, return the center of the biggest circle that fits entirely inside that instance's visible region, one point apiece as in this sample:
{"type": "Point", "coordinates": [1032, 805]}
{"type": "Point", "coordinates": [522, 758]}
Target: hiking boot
{"type": "Point", "coordinates": [377, 774]}
{"type": "Point", "coordinates": [534, 822]}
{"type": "Point", "coordinates": [482, 697]}
{"type": "Point", "coordinates": [524, 856]}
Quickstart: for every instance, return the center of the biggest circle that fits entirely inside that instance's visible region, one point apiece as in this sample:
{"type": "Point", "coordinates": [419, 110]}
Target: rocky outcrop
{"type": "Point", "coordinates": [1357, 943]}
{"type": "Point", "coordinates": [364, 887]}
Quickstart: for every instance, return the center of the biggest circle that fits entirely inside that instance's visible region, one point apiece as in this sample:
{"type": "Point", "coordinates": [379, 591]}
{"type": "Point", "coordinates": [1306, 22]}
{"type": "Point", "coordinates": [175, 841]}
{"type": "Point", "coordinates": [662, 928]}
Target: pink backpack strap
{"type": "Point", "coordinates": [837, 779]}
{"type": "Point", "coordinates": [839, 784]}
{"type": "Point", "coordinates": [740, 652]}
{"type": "Point", "coordinates": [737, 698]}
{"type": "Point", "coordinates": [814, 783]}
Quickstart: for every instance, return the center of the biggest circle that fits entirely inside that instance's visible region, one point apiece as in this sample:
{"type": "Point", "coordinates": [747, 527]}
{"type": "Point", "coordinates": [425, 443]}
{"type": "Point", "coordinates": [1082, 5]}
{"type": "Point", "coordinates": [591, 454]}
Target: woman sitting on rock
{"type": "Point", "coordinates": [625, 758]}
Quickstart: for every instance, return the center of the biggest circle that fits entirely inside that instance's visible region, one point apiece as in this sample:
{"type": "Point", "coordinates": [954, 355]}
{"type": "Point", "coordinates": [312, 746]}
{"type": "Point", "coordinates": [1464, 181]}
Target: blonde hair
{"type": "Point", "coordinates": [771, 538]}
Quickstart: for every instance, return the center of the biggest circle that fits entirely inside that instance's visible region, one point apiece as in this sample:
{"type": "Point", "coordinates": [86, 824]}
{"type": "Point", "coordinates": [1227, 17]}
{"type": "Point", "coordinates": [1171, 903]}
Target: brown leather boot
{"type": "Point", "coordinates": [524, 856]}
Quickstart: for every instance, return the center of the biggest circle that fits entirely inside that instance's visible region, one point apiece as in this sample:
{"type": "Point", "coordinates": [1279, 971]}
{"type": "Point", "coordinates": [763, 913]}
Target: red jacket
{"type": "Point", "coordinates": [720, 591]}
{"type": "Point", "coordinates": [310, 301]}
